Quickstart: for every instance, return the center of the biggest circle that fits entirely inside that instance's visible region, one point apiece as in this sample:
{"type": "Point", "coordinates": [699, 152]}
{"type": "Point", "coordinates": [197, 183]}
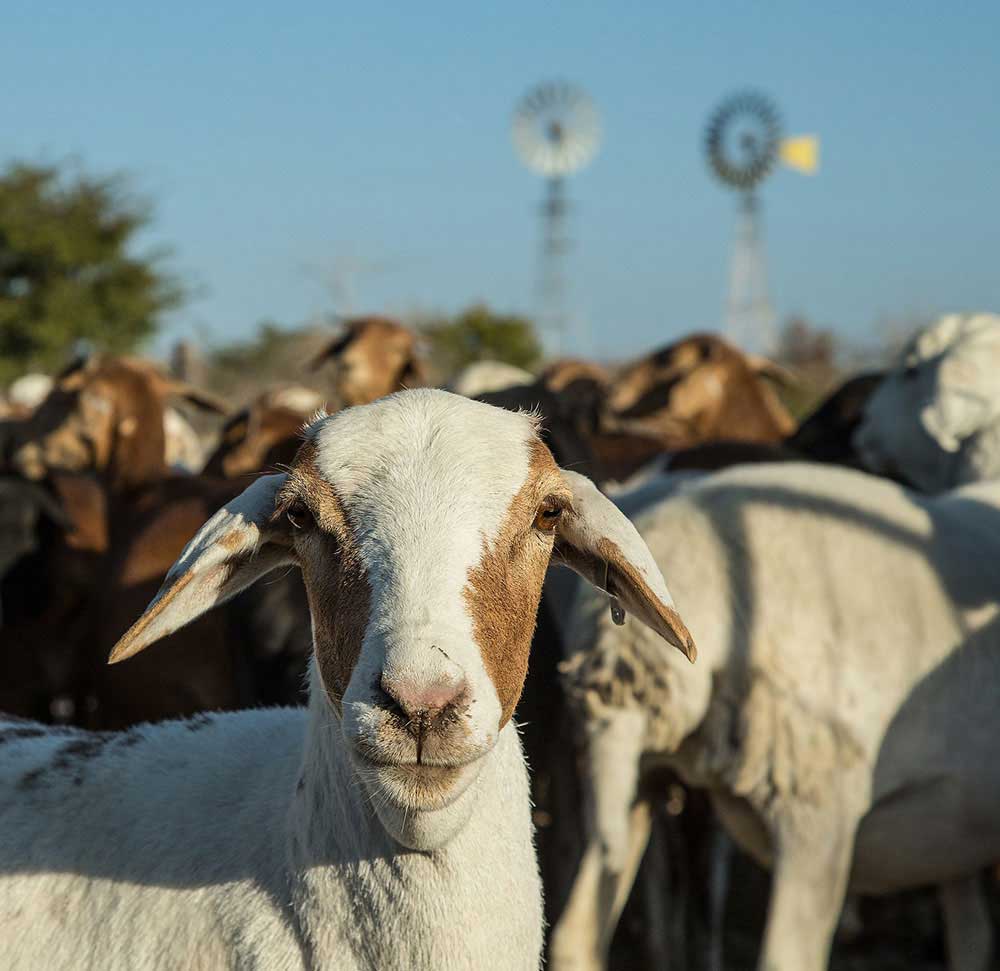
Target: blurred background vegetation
{"type": "Point", "coordinates": [68, 267]}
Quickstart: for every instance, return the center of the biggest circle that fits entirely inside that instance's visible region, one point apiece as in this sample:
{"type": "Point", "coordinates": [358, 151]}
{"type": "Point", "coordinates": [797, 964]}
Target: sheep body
{"type": "Point", "coordinates": [214, 856]}
{"type": "Point", "coordinates": [848, 639]}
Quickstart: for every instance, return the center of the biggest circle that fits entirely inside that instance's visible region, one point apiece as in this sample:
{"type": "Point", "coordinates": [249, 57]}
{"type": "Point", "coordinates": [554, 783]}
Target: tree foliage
{"type": "Point", "coordinates": [479, 334]}
{"type": "Point", "coordinates": [67, 270]}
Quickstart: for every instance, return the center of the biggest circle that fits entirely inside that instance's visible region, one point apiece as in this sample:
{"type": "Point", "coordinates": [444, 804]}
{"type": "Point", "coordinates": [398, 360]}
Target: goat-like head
{"type": "Point", "coordinates": [263, 434]}
{"type": "Point", "coordinates": [103, 415]}
{"type": "Point", "coordinates": [922, 422]}
{"type": "Point", "coordinates": [699, 389]}
{"type": "Point", "coordinates": [374, 357]}
{"type": "Point", "coordinates": [423, 525]}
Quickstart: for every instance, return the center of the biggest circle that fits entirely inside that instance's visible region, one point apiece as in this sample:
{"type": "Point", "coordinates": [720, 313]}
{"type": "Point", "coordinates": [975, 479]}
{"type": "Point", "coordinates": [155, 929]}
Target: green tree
{"type": "Point", "coordinates": [68, 271]}
{"type": "Point", "coordinates": [479, 334]}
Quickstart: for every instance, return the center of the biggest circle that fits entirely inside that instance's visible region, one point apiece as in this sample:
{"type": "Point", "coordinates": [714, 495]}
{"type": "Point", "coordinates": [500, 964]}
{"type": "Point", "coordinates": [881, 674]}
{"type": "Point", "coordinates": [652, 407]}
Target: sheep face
{"type": "Point", "coordinates": [73, 428]}
{"type": "Point", "coordinates": [424, 565]}
{"type": "Point", "coordinates": [921, 423]}
{"type": "Point", "coordinates": [423, 525]}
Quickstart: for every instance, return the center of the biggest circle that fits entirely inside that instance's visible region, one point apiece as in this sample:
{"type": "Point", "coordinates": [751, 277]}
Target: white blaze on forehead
{"type": "Point", "coordinates": [424, 478]}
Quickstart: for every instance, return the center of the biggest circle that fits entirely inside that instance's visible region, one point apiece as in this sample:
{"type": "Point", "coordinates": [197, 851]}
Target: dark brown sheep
{"type": "Point", "coordinates": [697, 390]}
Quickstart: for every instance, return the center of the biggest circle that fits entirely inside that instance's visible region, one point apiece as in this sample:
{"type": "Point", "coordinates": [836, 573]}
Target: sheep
{"type": "Point", "coordinates": [387, 826]}
{"type": "Point", "coordinates": [264, 433]}
{"type": "Point", "coordinates": [934, 421]}
{"type": "Point", "coordinates": [697, 390]}
{"type": "Point", "coordinates": [22, 506]}
{"type": "Point", "coordinates": [843, 713]}
{"type": "Point", "coordinates": [94, 570]}
{"type": "Point", "coordinates": [47, 592]}
{"type": "Point", "coordinates": [374, 356]}
{"type": "Point", "coordinates": [103, 414]}
{"type": "Point", "coordinates": [487, 377]}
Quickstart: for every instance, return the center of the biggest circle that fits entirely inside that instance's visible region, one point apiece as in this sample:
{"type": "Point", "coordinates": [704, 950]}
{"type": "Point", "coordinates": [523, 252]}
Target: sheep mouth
{"type": "Point", "coordinates": [411, 785]}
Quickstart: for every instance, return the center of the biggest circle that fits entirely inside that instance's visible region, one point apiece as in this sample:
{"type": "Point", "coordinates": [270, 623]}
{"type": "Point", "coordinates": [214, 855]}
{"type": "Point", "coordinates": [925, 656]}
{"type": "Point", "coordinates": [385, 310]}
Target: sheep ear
{"type": "Point", "coordinates": [334, 348]}
{"type": "Point", "coordinates": [778, 373]}
{"type": "Point", "coordinates": [597, 540]}
{"type": "Point", "coordinates": [237, 546]}
{"type": "Point", "coordinates": [204, 400]}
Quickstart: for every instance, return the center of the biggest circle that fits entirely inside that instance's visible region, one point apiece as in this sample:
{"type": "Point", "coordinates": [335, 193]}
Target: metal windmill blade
{"type": "Point", "coordinates": [556, 129]}
{"type": "Point", "coordinates": [743, 139]}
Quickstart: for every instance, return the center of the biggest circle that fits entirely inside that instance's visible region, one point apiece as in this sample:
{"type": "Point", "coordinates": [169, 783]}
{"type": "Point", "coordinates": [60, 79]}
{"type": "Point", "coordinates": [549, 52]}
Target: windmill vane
{"type": "Point", "coordinates": [556, 128]}
{"type": "Point", "coordinates": [743, 139]}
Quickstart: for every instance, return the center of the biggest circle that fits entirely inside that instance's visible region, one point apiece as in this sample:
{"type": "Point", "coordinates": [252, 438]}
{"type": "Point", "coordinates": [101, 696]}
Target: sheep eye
{"type": "Point", "coordinates": [299, 515]}
{"type": "Point", "coordinates": [547, 517]}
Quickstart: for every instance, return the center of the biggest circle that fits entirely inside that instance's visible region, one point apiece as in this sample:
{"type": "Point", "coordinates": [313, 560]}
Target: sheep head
{"type": "Point", "coordinates": [423, 525]}
{"type": "Point", "coordinates": [939, 402]}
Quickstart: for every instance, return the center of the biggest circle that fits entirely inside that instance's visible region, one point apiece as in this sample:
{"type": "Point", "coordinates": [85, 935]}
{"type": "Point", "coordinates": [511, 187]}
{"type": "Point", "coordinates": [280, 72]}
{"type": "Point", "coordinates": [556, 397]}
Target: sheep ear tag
{"type": "Point", "coordinates": [617, 610]}
{"type": "Point", "coordinates": [595, 538]}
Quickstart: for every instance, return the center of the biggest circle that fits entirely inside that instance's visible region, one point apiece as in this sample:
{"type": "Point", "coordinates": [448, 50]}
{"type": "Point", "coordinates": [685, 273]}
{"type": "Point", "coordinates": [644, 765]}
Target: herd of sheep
{"type": "Point", "coordinates": [374, 730]}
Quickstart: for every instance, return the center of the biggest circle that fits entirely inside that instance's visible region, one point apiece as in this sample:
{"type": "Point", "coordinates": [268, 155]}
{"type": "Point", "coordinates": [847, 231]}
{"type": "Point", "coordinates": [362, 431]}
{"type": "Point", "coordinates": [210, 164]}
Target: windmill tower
{"type": "Point", "coordinates": [743, 142]}
{"type": "Point", "coordinates": [556, 131]}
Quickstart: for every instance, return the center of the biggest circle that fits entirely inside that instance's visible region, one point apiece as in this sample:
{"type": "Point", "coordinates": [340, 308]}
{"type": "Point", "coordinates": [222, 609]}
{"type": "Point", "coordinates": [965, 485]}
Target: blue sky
{"type": "Point", "coordinates": [288, 146]}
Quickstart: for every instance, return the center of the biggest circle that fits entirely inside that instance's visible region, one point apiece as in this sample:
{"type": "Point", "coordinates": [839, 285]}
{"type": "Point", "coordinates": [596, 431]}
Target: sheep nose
{"type": "Point", "coordinates": [420, 700]}
{"type": "Point", "coordinates": [425, 709]}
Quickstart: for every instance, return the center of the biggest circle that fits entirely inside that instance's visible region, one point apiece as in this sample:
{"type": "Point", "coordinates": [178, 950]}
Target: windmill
{"type": "Point", "coordinates": [556, 131]}
{"type": "Point", "coordinates": [744, 141]}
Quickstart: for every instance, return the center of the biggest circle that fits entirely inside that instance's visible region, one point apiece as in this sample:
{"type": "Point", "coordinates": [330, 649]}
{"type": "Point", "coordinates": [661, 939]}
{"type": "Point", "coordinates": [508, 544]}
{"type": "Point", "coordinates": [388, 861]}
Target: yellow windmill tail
{"type": "Point", "coordinates": [801, 153]}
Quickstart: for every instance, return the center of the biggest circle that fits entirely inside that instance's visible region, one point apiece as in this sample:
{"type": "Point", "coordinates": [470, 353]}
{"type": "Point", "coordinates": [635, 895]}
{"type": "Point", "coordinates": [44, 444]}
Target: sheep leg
{"type": "Point", "coordinates": [968, 929]}
{"type": "Point", "coordinates": [582, 937]}
{"type": "Point", "coordinates": [811, 868]}
{"type": "Point", "coordinates": [721, 863]}
{"type": "Point", "coordinates": [654, 878]}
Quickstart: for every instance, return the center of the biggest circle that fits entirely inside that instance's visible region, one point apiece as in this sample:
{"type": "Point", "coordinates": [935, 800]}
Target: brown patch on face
{"type": "Point", "coordinates": [505, 586]}
{"type": "Point", "coordinates": [336, 585]}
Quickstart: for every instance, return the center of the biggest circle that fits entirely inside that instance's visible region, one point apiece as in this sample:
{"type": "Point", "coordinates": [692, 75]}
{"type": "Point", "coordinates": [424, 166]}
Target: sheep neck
{"type": "Point", "coordinates": [408, 904]}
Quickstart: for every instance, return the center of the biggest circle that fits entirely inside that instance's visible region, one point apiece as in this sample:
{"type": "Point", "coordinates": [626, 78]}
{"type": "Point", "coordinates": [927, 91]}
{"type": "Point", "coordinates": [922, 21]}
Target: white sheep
{"type": "Point", "coordinates": [934, 421]}
{"type": "Point", "coordinates": [484, 377]}
{"type": "Point", "coordinates": [843, 715]}
{"type": "Point", "coordinates": [385, 827]}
